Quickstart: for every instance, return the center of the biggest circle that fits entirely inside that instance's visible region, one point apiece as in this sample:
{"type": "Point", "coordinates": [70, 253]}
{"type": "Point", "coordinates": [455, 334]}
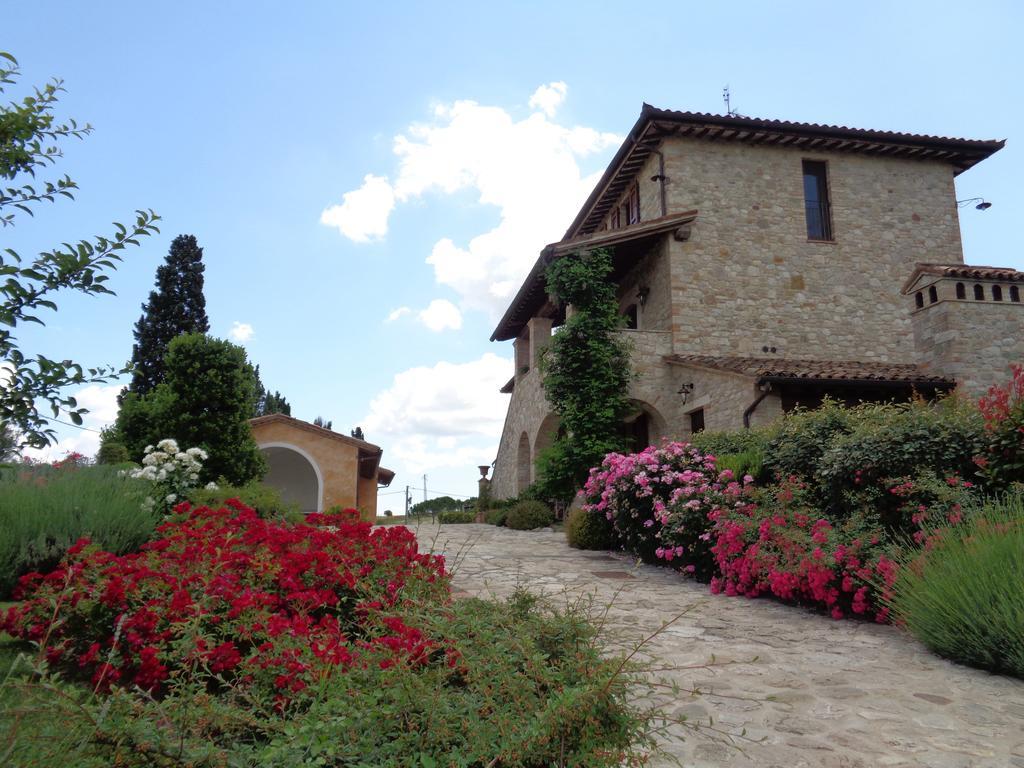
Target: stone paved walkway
{"type": "Point", "coordinates": [846, 694]}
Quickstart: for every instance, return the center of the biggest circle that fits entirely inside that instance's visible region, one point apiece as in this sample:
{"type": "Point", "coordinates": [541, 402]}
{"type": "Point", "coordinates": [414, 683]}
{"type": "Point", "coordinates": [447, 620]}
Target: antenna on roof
{"type": "Point", "coordinates": [729, 111]}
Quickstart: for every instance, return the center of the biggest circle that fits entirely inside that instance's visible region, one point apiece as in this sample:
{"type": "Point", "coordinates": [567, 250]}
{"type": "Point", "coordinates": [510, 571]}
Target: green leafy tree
{"type": "Point", "coordinates": [319, 421]}
{"type": "Point", "coordinates": [112, 449]}
{"type": "Point", "coordinates": [586, 373]}
{"type": "Point", "coordinates": [357, 433]}
{"type": "Point", "coordinates": [176, 307]}
{"type": "Point", "coordinates": [8, 442]}
{"type": "Point", "coordinates": [440, 504]}
{"type": "Point", "coordinates": [269, 402]}
{"type": "Point", "coordinates": [204, 401]}
{"type": "Point", "coordinates": [30, 142]}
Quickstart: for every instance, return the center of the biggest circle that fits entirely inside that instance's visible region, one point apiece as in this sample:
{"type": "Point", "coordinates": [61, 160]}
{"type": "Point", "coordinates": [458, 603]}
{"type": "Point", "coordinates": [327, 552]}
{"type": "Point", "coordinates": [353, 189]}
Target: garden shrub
{"type": "Point", "coordinates": [662, 502]}
{"type": "Point", "coordinates": [234, 640]}
{"type": "Point", "coordinates": [45, 509]}
{"type": "Point", "coordinates": [264, 499]}
{"type": "Point", "coordinates": [496, 516]}
{"type": "Point", "coordinates": [897, 440]}
{"type": "Point", "coordinates": [779, 544]}
{"type": "Point", "coordinates": [528, 515]}
{"type": "Point", "coordinates": [1002, 460]}
{"type": "Point", "coordinates": [750, 462]}
{"type": "Point", "coordinates": [963, 594]}
{"type": "Point", "coordinates": [804, 436]}
{"type": "Point", "coordinates": [455, 516]}
{"type": "Point", "coordinates": [588, 530]}
{"type": "Point", "coordinates": [753, 440]}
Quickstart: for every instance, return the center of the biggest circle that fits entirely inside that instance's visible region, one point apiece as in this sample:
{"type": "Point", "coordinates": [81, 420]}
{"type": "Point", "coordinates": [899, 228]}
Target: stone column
{"type": "Point", "coordinates": [540, 336]}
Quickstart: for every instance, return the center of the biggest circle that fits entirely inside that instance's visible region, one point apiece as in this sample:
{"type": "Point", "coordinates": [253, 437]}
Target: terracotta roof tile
{"type": "Point", "coordinates": [965, 271]}
{"type": "Point", "coordinates": [813, 370]}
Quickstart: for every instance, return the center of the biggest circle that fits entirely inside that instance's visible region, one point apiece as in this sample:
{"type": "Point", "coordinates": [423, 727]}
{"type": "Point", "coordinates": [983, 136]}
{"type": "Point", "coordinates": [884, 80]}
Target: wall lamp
{"type": "Point", "coordinates": [982, 203]}
{"type": "Point", "coordinates": [685, 391]}
{"type": "Point", "coordinates": [642, 295]}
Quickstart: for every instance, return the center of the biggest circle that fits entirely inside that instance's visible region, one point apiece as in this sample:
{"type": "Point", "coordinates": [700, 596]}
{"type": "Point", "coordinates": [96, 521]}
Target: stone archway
{"type": "Point", "coordinates": [643, 426]}
{"type": "Point", "coordinates": [549, 429]}
{"type": "Point", "coordinates": [295, 474]}
{"type": "Point", "coordinates": [523, 464]}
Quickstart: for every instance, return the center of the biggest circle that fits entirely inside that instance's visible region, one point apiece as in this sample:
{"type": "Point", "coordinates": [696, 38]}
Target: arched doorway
{"type": "Point", "coordinates": [523, 464]}
{"type": "Point", "coordinates": [547, 432]}
{"type": "Point", "coordinates": [643, 426]}
{"type": "Point", "coordinates": [295, 474]}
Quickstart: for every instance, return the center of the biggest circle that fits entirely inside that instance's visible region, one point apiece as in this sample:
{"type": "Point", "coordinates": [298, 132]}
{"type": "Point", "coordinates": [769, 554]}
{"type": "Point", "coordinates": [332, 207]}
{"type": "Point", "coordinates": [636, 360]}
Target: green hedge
{"type": "Point", "coordinates": [528, 515]}
{"type": "Point", "coordinates": [456, 517]}
{"type": "Point", "coordinates": [265, 499]}
{"type": "Point", "coordinates": [588, 530]}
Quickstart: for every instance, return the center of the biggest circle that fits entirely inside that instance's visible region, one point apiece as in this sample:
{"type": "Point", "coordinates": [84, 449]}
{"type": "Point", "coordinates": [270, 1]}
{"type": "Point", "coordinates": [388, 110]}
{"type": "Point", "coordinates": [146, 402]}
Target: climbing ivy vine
{"type": "Point", "coordinates": [586, 373]}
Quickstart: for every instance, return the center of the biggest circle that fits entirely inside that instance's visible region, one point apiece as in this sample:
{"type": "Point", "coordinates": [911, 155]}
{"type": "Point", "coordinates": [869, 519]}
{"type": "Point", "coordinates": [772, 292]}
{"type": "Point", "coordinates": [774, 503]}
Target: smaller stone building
{"type": "Point", "coordinates": [318, 468]}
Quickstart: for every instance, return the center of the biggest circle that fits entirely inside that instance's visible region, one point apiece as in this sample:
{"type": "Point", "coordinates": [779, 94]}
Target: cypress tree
{"type": "Point", "coordinates": [268, 402]}
{"type": "Point", "coordinates": [177, 306]}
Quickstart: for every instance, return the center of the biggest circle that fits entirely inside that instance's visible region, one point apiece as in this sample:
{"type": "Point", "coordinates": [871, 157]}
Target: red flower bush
{"type": "Point", "coordinates": [1003, 411]}
{"type": "Point", "coordinates": [245, 601]}
{"type": "Point", "coordinates": [783, 547]}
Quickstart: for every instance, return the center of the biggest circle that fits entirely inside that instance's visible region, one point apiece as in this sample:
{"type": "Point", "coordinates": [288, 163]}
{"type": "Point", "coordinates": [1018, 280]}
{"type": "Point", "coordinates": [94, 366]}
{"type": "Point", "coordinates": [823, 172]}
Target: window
{"type": "Point", "coordinates": [919, 299]}
{"type": "Point", "coordinates": [615, 218]}
{"type": "Point", "coordinates": [631, 317]}
{"type": "Point", "coordinates": [819, 214]}
{"type": "Point", "coordinates": [997, 293]}
{"type": "Point", "coordinates": [697, 421]}
{"type": "Point", "coordinates": [933, 295]}
{"type": "Point", "coordinates": [633, 205]}
{"type": "Point", "coordinates": [1014, 293]}
{"type": "Point", "coordinates": [961, 292]}
{"type": "Point", "coordinates": [979, 293]}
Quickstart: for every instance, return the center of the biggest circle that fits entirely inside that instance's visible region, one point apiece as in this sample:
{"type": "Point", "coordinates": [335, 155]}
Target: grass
{"type": "Point", "coordinates": [964, 597]}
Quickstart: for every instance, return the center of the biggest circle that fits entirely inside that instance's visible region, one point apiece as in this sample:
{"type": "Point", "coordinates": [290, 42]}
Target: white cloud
{"type": "Point", "coordinates": [447, 415]}
{"type": "Point", "coordinates": [101, 402]}
{"type": "Point", "coordinates": [397, 313]}
{"type": "Point", "coordinates": [241, 332]}
{"type": "Point", "coordinates": [548, 98]}
{"type": "Point", "coordinates": [441, 314]}
{"type": "Point", "coordinates": [363, 213]}
{"type": "Point", "coordinates": [527, 168]}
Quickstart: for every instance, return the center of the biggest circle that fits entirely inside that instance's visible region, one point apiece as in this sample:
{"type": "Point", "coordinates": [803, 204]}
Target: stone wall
{"type": "Point", "coordinates": [651, 272]}
{"type": "Point", "coordinates": [971, 341]}
{"type": "Point", "coordinates": [749, 277]}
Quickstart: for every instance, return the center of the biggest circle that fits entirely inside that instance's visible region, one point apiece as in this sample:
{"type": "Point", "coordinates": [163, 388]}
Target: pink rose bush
{"type": "Point", "coordinates": [663, 503]}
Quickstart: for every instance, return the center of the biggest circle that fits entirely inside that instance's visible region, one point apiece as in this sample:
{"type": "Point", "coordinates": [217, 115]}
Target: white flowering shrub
{"type": "Point", "coordinates": [172, 471]}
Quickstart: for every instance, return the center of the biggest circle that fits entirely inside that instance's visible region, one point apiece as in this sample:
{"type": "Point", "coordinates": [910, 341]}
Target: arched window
{"type": "Point", "coordinates": [997, 293]}
{"type": "Point", "coordinates": [919, 299]}
{"type": "Point", "coordinates": [1014, 293]}
{"type": "Point", "coordinates": [961, 291]}
{"type": "Point", "coordinates": [933, 295]}
{"type": "Point", "coordinates": [979, 293]}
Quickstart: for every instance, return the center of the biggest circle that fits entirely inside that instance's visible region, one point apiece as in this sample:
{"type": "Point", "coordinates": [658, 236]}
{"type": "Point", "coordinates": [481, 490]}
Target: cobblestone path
{"type": "Point", "coordinates": [845, 694]}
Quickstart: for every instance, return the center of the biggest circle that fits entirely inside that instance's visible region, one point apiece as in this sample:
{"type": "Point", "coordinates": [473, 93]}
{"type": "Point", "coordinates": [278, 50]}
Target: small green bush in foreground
{"type": "Point", "coordinates": [456, 517]}
{"type": "Point", "coordinates": [527, 515]}
{"type": "Point", "coordinates": [588, 530]}
{"type": "Point", "coordinates": [265, 499]}
{"type": "Point", "coordinates": [44, 510]}
{"type": "Point", "coordinates": [530, 686]}
{"type": "Point", "coordinates": [964, 596]}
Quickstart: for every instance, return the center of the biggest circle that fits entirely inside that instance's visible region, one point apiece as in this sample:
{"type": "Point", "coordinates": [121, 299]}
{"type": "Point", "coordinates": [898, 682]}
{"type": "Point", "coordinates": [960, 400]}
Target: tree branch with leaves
{"type": "Point", "coordinates": [30, 141]}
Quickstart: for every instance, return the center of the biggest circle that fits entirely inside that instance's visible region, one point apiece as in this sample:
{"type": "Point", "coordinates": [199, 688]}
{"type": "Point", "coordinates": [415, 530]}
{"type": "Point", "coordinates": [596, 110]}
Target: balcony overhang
{"type": "Point", "coordinates": [628, 244]}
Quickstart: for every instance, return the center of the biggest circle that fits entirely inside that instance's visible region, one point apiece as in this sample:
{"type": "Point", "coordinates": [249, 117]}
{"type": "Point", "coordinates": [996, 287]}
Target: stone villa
{"type": "Point", "coordinates": [763, 265]}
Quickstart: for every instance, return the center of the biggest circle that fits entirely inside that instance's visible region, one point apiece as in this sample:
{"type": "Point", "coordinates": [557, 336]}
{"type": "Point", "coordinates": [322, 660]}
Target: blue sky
{"type": "Point", "coordinates": [465, 135]}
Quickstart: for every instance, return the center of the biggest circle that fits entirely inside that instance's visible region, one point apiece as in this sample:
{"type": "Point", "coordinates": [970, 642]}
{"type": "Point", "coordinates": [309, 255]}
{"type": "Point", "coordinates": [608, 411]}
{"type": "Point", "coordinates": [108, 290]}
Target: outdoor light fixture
{"type": "Point", "coordinates": [642, 294]}
{"type": "Point", "coordinates": [685, 390]}
{"type": "Point", "coordinates": [982, 203]}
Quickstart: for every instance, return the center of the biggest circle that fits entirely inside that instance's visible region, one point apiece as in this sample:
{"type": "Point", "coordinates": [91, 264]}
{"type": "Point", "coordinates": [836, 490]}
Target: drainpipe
{"type": "Point", "coordinates": [766, 388]}
{"type": "Point", "coordinates": [661, 178]}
